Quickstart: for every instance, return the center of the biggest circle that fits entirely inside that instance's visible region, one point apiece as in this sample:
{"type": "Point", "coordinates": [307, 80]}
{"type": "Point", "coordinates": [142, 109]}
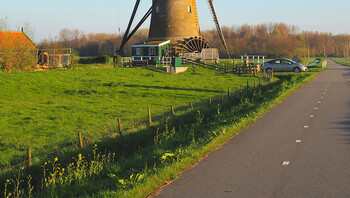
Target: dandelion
{"type": "Point", "coordinates": [8, 181]}
{"type": "Point", "coordinates": [10, 194]}
{"type": "Point", "coordinates": [45, 163]}
{"type": "Point", "coordinates": [56, 159]}
{"type": "Point", "coordinates": [63, 169]}
{"type": "Point", "coordinates": [95, 145]}
{"type": "Point", "coordinates": [22, 168]}
{"type": "Point", "coordinates": [79, 156]}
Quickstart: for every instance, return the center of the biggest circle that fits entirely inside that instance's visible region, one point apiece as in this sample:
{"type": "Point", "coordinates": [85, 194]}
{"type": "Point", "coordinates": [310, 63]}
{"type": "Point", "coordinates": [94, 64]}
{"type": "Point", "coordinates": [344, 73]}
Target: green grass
{"type": "Point", "coordinates": [316, 68]}
{"type": "Point", "coordinates": [45, 110]}
{"type": "Point", "coordinates": [342, 62]}
{"type": "Point", "coordinates": [149, 157]}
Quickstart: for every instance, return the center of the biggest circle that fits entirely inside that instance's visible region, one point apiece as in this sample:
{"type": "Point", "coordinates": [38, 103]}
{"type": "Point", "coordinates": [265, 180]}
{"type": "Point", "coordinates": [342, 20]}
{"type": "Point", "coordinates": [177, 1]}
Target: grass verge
{"type": "Point", "coordinates": [342, 62]}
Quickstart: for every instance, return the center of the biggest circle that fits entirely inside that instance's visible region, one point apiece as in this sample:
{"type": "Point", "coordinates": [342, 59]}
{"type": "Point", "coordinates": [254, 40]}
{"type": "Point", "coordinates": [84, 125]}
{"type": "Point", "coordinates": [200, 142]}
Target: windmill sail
{"type": "Point", "coordinates": [213, 13]}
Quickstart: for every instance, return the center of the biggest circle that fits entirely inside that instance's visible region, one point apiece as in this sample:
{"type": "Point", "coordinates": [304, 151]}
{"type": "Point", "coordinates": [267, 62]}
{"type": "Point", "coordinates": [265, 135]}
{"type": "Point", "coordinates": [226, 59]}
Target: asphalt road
{"type": "Point", "coordinates": [301, 148]}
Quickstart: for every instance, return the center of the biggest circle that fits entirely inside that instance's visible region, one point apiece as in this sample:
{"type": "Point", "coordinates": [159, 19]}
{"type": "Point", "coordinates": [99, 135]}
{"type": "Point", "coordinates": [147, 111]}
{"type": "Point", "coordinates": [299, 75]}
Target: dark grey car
{"type": "Point", "coordinates": [283, 65]}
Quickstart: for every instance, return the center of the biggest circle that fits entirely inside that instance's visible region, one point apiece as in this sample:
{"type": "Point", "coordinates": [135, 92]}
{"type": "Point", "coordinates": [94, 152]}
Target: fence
{"type": "Point", "coordinates": [116, 127]}
{"type": "Point", "coordinates": [210, 55]}
{"type": "Point", "coordinates": [126, 61]}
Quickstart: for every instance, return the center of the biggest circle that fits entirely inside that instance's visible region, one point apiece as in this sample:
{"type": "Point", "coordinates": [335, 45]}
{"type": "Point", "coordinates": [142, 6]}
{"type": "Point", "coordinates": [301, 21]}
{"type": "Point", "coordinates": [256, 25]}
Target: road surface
{"type": "Point", "coordinates": [301, 148]}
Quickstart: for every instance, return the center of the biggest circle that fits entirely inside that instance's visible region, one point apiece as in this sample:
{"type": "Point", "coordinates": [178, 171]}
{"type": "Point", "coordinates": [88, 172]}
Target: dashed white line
{"type": "Point", "coordinates": [312, 116]}
{"type": "Point", "coordinates": [298, 141]}
{"type": "Point", "coordinates": [306, 127]}
{"type": "Point", "coordinates": [285, 163]}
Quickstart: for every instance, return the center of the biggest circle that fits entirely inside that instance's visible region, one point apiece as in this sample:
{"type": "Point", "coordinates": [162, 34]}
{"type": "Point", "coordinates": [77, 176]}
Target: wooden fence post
{"type": "Point", "coordinates": [222, 98]}
{"type": "Point", "coordinates": [80, 140]}
{"type": "Point", "coordinates": [172, 111]}
{"type": "Point", "coordinates": [272, 76]}
{"type": "Point", "coordinates": [149, 117]}
{"type": "Point", "coordinates": [119, 126]}
{"type": "Point", "coordinates": [209, 100]}
{"type": "Point", "coordinates": [229, 92]}
{"type": "Point", "coordinates": [29, 157]}
{"type": "Point", "coordinates": [191, 105]}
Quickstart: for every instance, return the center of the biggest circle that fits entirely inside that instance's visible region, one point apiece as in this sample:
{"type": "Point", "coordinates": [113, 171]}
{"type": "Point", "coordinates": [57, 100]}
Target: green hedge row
{"type": "Point", "coordinates": [94, 60]}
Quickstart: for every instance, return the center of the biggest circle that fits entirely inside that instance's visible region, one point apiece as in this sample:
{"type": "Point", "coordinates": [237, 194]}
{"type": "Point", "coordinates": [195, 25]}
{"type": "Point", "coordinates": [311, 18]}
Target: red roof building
{"type": "Point", "coordinates": [16, 40]}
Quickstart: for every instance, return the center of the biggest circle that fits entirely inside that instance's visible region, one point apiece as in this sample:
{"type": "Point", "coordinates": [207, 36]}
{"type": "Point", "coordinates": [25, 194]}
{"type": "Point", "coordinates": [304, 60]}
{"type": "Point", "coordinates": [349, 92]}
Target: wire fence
{"type": "Point", "coordinates": [112, 128]}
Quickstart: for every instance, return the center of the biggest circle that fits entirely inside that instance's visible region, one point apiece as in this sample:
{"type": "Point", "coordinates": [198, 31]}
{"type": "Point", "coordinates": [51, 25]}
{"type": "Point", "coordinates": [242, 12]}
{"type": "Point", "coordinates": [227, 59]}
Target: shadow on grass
{"type": "Point", "coordinates": [172, 88]}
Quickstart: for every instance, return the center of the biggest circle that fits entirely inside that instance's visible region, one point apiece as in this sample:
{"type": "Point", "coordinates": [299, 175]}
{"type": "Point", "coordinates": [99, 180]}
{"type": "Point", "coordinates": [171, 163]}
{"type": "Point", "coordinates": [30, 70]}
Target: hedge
{"type": "Point", "coordinates": [94, 60]}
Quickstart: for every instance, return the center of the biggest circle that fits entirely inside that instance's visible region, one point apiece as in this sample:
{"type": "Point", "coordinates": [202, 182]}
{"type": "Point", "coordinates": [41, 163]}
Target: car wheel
{"type": "Point", "coordinates": [297, 70]}
{"type": "Point", "coordinates": [269, 70]}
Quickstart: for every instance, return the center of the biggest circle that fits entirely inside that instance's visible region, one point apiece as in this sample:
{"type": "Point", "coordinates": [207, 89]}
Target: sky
{"type": "Point", "coordinates": [48, 17]}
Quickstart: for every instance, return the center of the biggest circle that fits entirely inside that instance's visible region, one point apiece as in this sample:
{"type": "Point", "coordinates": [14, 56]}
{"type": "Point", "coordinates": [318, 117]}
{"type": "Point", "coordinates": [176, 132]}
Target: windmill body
{"type": "Point", "coordinates": [174, 20]}
{"type": "Point", "coordinates": [174, 27]}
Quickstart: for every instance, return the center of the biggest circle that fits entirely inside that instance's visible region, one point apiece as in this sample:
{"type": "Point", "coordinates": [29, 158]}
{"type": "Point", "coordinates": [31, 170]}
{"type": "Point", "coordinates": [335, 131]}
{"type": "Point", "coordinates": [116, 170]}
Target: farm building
{"type": "Point", "coordinates": [15, 40]}
{"type": "Point", "coordinates": [17, 51]}
{"type": "Point", "coordinates": [149, 50]}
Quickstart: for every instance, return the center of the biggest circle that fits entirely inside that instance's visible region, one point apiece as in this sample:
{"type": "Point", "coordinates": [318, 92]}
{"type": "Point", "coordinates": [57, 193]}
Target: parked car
{"type": "Point", "coordinates": [312, 64]}
{"type": "Point", "coordinates": [283, 65]}
{"type": "Point", "coordinates": [317, 60]}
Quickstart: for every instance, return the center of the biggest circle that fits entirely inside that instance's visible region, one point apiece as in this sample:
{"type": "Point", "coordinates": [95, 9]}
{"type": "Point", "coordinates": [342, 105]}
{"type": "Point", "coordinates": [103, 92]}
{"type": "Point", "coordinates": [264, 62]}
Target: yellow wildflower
{"type": "Point", "coordinates": [56, 159]}
{"type": "Point", "coordinates": [121, 181]}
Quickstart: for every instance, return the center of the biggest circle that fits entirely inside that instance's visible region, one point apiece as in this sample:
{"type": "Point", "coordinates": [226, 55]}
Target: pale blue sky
{"type": "Point", "coordinates": [48, 17]}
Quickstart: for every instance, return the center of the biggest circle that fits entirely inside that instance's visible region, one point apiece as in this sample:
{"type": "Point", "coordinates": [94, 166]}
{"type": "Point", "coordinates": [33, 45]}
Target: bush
{"type": "Point", "coordinates": [94, 60]}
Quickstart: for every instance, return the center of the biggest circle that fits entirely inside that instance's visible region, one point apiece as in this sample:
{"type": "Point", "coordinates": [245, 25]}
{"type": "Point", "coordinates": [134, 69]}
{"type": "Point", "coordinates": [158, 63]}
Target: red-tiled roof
{"type": "Point", "coordinates": [15, 39]}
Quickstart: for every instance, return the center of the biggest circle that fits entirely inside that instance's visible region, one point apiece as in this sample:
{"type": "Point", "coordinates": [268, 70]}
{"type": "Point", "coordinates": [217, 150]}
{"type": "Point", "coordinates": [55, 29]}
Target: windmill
{"type": "Point", "coordinates": [175, 21]}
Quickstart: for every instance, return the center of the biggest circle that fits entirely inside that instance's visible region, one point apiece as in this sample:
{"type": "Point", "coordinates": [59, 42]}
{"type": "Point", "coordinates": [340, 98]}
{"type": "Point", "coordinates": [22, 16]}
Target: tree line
{"type": "Point", "coordinates": [272, 39]}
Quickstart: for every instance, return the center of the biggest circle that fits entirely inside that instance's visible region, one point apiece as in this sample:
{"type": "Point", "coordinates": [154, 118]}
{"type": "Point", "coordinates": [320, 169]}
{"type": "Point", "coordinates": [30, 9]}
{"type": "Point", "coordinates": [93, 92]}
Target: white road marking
{"type": "Point", "coordinates": [298, 141]}
{"type": "Point", "coordinates": [311, 116]}
{"type": "Point", "coordinates": [306, 127]}
{"type": "Point", "coordinates": [316, 108]}
{"type": "Point", "coordinates": [285, 163]}
{"type": "Point", "coordinates": [319, 102]}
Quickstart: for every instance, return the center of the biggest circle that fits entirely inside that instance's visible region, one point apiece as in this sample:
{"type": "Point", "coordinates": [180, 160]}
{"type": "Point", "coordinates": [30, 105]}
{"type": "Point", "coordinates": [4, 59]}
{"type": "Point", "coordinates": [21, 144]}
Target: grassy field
{"type": "Point", "coordinates": [136, 164]}
{"type": "Point", "coordinates": [45, 110]}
